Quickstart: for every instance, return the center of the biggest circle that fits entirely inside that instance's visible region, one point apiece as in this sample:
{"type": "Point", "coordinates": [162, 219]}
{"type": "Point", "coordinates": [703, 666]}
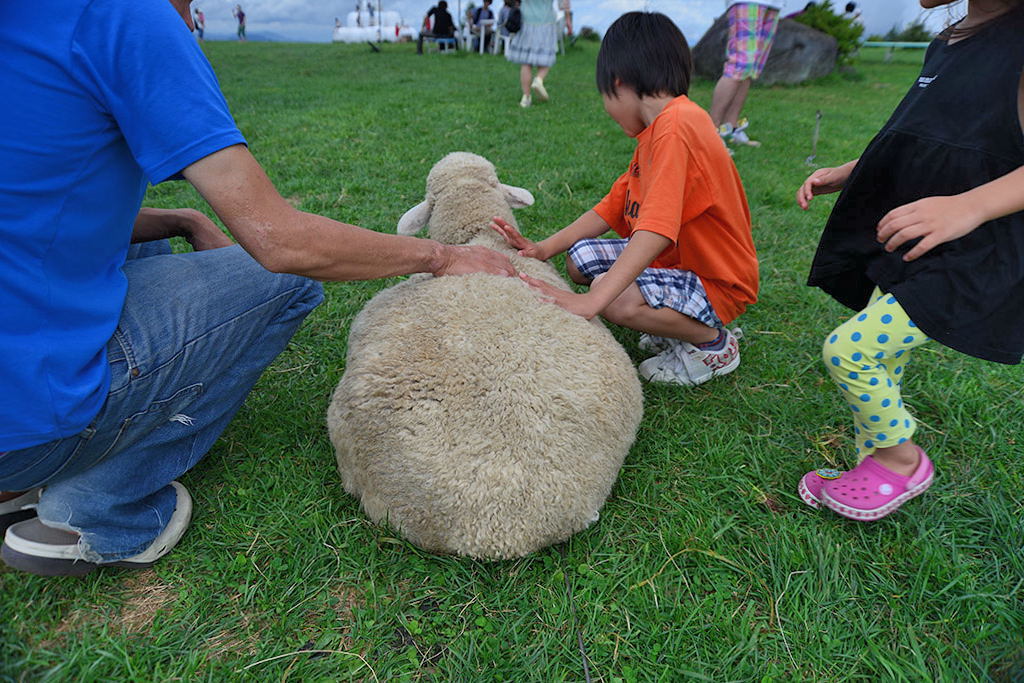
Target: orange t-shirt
{"type": "Point", "coordinates": [682, 184]}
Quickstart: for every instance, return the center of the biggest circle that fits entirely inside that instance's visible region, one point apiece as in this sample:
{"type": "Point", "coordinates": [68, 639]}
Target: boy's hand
{"type": "Point", "coordinates": [577, 304]}
{"type": "Point", "coordinates": [934, 219]}
{"type": "Point", "coordinates": [515, 239]}
{"type": "Point", "coordinates": [822, 181]}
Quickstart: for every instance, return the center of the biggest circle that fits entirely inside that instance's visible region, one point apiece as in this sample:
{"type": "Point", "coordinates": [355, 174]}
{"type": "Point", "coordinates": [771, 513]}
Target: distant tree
{"type": "Point", "coordinates": [914, 32]}
{"type": "Point", "coordinates": [846, 30]}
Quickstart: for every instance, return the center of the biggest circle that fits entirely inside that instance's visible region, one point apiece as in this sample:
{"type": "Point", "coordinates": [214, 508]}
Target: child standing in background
{"type": "Point", "coordinates": [926, 242]}
{"type": "Point", "coordinates": [685, 266]}
{"type": "Point", "coordinates": [238, 14]}
{"type": "Point", "coordinates": [200, 22]}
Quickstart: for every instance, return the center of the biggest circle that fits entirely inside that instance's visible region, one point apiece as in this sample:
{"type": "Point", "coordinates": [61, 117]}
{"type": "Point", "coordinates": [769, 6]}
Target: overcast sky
{"type": "Point", "coordinates": [313, 20]}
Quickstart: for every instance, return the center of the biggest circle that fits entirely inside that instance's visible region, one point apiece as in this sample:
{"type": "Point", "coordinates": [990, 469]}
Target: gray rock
{"type": "Point", "coordinates": [799, 53]}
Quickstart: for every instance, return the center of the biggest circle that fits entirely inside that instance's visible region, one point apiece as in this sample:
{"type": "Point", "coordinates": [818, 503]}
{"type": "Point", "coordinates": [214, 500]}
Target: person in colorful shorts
{"type": "Point", "coordinates": [752, 27]}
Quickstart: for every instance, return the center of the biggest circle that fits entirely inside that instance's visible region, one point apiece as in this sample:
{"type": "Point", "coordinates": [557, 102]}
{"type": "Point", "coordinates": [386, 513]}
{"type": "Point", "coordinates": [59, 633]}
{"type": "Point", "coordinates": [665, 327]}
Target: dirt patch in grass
{"type": "Point", "coordinates": [348, 599]}
{"type": "Point", "coordinates": [773, 504]}
{"type": "Point", "coordinates": [144, 596]}
{"type": "Point", "coordinates": [240, 639]}
{"type": "Point", "coordinates": [71, 623]}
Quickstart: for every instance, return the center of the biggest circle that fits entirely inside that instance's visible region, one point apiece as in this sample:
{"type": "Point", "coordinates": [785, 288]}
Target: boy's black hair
{"type": "Point", "coordinates": [647, 52]}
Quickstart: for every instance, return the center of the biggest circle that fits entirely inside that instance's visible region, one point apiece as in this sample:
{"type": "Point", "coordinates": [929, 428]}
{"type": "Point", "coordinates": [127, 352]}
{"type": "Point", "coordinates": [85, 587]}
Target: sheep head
{"type": "Point", "coordinates": [463, 195]}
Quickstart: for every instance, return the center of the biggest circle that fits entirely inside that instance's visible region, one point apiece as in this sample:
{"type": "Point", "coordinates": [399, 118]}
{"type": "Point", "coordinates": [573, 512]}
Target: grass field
{"type": "Point", "coordinates": [705, 565]}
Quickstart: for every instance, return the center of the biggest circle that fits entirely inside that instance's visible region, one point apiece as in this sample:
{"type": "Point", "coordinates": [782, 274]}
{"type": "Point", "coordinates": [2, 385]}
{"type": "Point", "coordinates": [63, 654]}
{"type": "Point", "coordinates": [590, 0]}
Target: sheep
{"type": "Point", "coordinates": [473, 417]}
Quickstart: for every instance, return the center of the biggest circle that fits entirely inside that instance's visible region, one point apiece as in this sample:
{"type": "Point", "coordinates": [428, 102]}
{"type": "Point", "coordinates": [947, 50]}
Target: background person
{"type": "Point", "coordinates": [200, 21]}
{"type": "Point", "coordinates": [122, 362]}
{"type": "Point", "coordinates": [440, 22]}
{"type": "Point", "coordinates": [566, 8]}
{"type": "Point", "coordinates": [503, 13]}
{"type": "Point", "coordinates": [752, 27]}
{"type": "Point", "coordinates": [481, 31]}
{"type": "Point", "coordinates": [238, 14]}
{"type": "Point", "coordinates": [534, 46]}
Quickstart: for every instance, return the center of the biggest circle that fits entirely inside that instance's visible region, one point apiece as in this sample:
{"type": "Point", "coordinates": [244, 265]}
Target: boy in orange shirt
{"type": "Point", "coordinates": [685, 266]}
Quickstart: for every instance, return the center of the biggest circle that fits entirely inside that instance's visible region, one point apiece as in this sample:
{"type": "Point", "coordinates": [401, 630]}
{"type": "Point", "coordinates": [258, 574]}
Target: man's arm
{"type": "Point", "coordinates": [159, 224]}
{"type": "Point", "coordinates": [286, 240]}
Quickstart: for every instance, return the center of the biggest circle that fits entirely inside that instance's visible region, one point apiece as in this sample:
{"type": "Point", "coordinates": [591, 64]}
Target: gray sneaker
{"type": "Point", "coordinates": [18, 509]}
{"type": "Point", "coordinates": [33, 547]}
{"type": "Point", "coordinates": [685, 364]}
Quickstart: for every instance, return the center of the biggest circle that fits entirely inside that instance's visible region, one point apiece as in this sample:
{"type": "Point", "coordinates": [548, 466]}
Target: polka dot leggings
{"type": "Point", "coordinates": [867, 356]}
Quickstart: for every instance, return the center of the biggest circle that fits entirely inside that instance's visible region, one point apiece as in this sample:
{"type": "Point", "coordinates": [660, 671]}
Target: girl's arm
{"type": "Point", "coordinates": [588, 225]}
{"type": "Point", "coordinates": [824, 181]}
{"type": "Point", "coordinates": [942, 219]}
{"type": "Point", "coordinates": [642, 249]}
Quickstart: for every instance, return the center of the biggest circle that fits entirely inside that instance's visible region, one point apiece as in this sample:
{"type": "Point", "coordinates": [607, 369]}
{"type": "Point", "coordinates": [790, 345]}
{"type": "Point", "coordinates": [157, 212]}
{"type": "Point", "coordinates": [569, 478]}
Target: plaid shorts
{"type": "Point", "coordinates": [751, 32]}
{"type": "Point", "coordinates": [679, 290]}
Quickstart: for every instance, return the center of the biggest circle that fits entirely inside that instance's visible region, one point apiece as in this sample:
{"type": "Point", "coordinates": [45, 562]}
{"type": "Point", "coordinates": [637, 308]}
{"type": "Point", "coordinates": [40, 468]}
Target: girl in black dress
{"type": "Point", "coordinates": [926, 242]}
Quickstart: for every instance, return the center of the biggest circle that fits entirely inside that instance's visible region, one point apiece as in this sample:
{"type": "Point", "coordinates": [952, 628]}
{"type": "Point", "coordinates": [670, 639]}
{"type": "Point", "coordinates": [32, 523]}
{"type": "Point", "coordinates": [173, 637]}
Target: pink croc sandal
{"type": "Point", "coordinates": [870, 491]}
{"type": "Point", "coordinates": [811, 483]}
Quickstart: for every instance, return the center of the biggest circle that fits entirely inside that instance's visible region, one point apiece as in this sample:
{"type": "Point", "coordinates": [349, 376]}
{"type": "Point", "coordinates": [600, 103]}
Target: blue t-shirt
{"type": "Point", "coordinates": [99, 97]}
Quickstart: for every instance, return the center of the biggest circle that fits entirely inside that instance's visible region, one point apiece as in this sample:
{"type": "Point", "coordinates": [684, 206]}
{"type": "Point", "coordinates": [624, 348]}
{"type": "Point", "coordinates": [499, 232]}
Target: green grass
{"type": "Point", "coordinates": [705, 565]}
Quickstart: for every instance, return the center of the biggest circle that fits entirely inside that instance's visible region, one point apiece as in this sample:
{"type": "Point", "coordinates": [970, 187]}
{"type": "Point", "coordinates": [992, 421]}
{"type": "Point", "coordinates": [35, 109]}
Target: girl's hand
{"type": "Point", "coordinates": [934, 219]}
{"type": "Point", "coordinates": [515, 240]}
{"type": "Point", "coordinates": [577, 304]}
{"type": "Point", "coordinates": [822, 181]}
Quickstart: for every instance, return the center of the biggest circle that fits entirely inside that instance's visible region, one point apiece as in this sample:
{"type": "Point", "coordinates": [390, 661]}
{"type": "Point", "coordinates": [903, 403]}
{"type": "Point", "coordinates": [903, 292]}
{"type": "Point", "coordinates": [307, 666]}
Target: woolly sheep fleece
{"type": "Point", "coordinates": [473, 417]}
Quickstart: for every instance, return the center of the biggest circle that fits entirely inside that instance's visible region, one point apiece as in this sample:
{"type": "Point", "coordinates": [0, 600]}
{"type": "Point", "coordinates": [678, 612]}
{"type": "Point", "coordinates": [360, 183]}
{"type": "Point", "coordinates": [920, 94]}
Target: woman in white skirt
{"type": "Point", "coordinates": [535, 45]}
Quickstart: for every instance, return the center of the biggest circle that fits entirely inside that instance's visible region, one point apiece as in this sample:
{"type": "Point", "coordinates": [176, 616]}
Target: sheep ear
{"type": "Point", "coordinates": [517, 197]}
{"type": "Point", "coordinates": [415, 219]}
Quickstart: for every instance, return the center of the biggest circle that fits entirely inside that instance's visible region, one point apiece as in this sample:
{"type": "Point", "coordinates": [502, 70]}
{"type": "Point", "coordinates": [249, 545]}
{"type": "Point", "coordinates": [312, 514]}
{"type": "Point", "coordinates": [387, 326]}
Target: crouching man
{"type": "Point", "coordinates": [123, 362]}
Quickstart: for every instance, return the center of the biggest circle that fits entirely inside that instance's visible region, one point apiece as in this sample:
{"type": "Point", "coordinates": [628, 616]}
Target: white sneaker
{"type": "Point", "coordinates": [685, 364]}
{"type": "Point", "coordinates": [739, 135]}
{"type": "Point", "coordinates": [525, 102]}
{"type": "Point", "coordinates": [538, 87]}
{"type": "Point", "coordinates": [650, 342]}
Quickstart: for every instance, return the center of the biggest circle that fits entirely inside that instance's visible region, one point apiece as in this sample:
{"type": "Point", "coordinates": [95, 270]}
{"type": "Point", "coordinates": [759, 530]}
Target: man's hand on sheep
{"type": "Point", "coordinates": [516, 240]}
{"type": "Point", "coordinates": [463, 260]}
{"type": "Point", "coordinates": [578, 304]}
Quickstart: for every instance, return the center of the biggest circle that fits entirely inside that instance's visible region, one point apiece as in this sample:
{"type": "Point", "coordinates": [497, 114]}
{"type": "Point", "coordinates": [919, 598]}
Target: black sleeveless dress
{"type": "Point", "coordinates": [956, 129]}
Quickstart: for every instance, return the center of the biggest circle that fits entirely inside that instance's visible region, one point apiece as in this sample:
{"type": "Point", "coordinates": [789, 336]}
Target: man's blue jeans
{"type": "Point", "coordinates": [196, 332]}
